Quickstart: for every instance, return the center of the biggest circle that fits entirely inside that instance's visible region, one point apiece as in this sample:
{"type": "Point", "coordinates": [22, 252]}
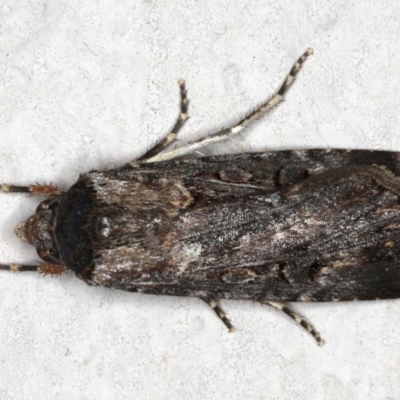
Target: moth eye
{"type": "Point", "coordinates": [44, 205]}
{"type": "Point", "coordinates": [47, 204]}
{"type": "Point", "coordinates": [42, 253]}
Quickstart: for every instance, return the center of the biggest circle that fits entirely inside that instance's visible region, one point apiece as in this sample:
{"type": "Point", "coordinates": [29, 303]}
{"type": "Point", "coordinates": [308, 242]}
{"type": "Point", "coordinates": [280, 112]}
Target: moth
{"type": "Point", "coordinates": [273, 227]}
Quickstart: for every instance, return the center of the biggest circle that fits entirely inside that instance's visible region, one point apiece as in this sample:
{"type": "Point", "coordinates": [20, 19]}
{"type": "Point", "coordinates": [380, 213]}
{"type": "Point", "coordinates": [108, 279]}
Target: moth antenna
{"type": "Point", "coordinates": [238, 145]}
{"type": "Point", "coordinates": [297, 317]}
{"type": "Point", "coordinates": [233, 130]}
{"type": "Point", "coordinates": [382, 175]}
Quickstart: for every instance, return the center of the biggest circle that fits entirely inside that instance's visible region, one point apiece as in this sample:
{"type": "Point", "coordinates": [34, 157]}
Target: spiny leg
{"type": "Point", "coordinates": [45, 269]}
{"type": "Point", "coordinates": [267, 106]}
{"type": "Point", "coordinates": [182, 118]}
{"type": "Point", "coordinates": [213, 304]}
{"type": "Point", "coordinates": [36, 190]}
{"type": "Point", "coordinates": [299, 319]}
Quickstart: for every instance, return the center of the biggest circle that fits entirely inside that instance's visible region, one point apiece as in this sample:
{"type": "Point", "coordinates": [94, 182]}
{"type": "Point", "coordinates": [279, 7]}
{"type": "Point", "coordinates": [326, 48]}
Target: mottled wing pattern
{"type": "Point", "coordinates": [275, 236]}
{"type": "Point", "coordinates": [252, 172]}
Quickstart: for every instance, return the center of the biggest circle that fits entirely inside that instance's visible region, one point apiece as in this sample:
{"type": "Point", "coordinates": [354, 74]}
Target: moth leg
{"type": "Point", "coordinates": [36, 190]}
{"type": "Point", "coordinates": [221, 315]}
{"type": "Point", "coordinates": [182, 118]}
{"type": "Point", "coordinates": [45, 269]}
{"type": "Point", "coordinates": [225, 133]}
{"type": "Point", "coordinates": [298, 318]}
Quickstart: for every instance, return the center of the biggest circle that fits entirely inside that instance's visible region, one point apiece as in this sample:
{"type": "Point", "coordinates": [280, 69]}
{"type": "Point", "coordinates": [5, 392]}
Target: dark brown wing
{"type": "Point", "coordinates": [336, 239]}
{"type": "Point", "coordinates": [238, 175]}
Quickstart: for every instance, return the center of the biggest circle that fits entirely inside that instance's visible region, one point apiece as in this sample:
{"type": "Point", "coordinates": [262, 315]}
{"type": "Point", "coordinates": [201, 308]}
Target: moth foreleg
{"type": "Point", "coordinates": [36, 190]}
{"type": "Point", "coordinates": [182, 118]}
{"type": "Point", "coordinates": [298, 318]}
{"type": "Point", "coordinates": [45, 269]}
{"type": "Point", "coordinates": [233, 130]}
{"type": "Point", "coordinates": [221, 315]}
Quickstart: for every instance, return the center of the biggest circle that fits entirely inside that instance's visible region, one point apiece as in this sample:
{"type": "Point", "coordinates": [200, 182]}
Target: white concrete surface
{"type": "Point", "coordinates": [92, 85]}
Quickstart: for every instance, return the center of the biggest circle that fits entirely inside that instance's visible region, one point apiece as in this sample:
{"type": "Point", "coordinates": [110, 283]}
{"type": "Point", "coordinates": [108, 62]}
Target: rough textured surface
{"type": "Point", "coordinates": [92, 86]}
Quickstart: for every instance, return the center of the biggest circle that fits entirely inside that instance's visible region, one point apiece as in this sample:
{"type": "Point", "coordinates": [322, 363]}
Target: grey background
{"type": "Point", "coordinates": [92, 84]}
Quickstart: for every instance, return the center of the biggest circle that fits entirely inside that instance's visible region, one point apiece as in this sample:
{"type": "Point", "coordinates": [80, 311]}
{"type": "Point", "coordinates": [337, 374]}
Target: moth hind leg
{"type": "Point", "coordinates": [298, 318]}
{"type": "Point", "coordinates": [220, 313]}
{"type": "Point", "coordinates": [235, 129]}
{"type": "Point", "coordinates": [171, 137]}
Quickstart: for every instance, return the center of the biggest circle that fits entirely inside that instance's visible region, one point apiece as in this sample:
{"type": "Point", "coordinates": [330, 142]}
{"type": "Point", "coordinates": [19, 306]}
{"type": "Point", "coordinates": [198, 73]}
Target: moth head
{"type": "Point", "coordinates": [62, 229]}
{"type": "Point", "coordinates": [20, 231]}
{"type": "Point", "coordinates": [38, 231]}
